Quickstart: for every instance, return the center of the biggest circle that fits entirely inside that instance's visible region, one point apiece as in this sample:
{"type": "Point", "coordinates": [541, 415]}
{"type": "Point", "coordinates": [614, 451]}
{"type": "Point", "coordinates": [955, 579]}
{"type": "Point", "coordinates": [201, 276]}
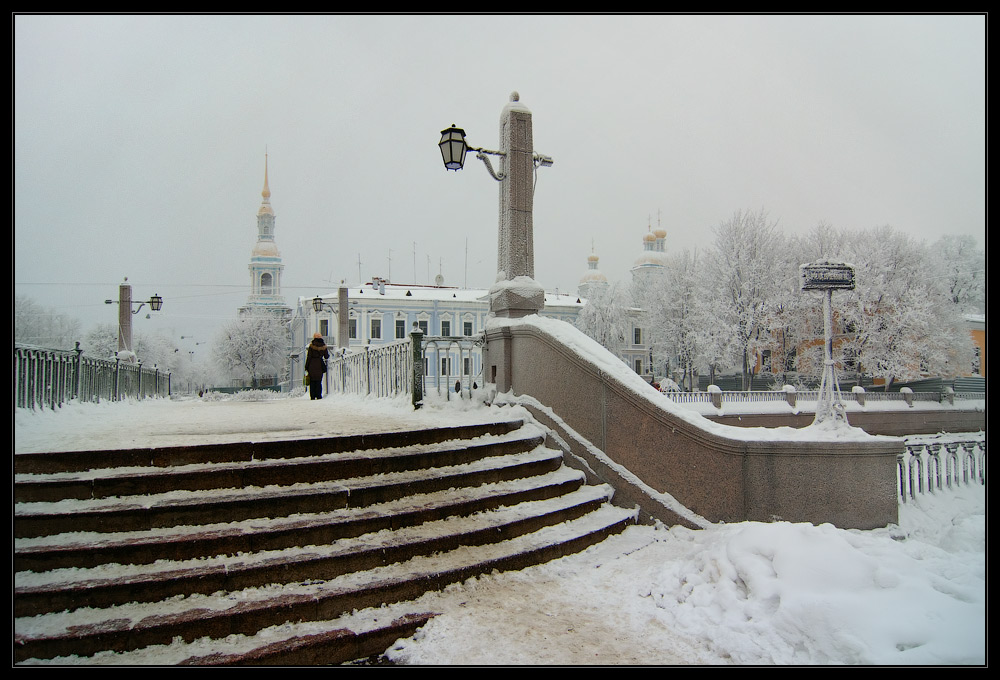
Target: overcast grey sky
{"type": "Point", "coordinates": [139, 143]}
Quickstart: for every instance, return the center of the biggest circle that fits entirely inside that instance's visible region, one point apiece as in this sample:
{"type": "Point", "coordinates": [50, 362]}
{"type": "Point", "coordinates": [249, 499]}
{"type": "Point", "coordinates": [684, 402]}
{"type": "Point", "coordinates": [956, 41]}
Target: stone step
{"type": "Point", "coordinates": [137, 513]}
{"type": "Point", "coordinates": [353, 637]}
{"type": "Point", "coordinates": [91, 549]}
{"type": "Point", "coordinates": [133, 481]}
{"type": "Point", "coordinates": [133, 626]}
{"type": "Point", "coordinates": [70, 589]}
{"type": "Point", "coordinates": [79, 461]}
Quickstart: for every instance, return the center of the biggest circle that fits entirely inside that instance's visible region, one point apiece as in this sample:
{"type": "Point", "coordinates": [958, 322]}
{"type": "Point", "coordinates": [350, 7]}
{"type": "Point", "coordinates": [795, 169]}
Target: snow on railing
{"type": "Point", "coordinates": [791, 396]}
{"type": "Point", "coordinates": [931, 466]}
{"type": "Point", "coordinates": [51, 377]}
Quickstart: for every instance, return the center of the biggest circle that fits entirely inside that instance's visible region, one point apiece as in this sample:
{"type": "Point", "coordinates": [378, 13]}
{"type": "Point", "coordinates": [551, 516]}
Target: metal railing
{"type": "Point", "coordinates": [383, 371]}
{"type": "Point", "coordinates": [740, 397]}
{"type": "Point", "coordinates": [462, 348]}
{"type": "Point", "coordinates": [398, 368]}
{"type": "Point", "coordinates": [51, 377]}
{"type": "Point", "coordinates": [929, 467]}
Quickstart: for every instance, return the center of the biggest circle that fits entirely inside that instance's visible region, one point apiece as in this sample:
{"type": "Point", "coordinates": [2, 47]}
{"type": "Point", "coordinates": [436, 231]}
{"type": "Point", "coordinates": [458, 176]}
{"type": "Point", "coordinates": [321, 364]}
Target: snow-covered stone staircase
{"type": "Point", "coordinates": [300, 552]}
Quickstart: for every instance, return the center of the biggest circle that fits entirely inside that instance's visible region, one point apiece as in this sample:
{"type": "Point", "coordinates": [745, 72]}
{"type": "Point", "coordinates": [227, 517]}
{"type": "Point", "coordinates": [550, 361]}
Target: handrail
{"type": "Point", "coordinates": [51, 377]}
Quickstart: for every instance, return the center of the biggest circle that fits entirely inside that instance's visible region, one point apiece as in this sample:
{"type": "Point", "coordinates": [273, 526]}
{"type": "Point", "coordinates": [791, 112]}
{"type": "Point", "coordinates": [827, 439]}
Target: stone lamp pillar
{"type": "Point", "coordinates": [515, 293]}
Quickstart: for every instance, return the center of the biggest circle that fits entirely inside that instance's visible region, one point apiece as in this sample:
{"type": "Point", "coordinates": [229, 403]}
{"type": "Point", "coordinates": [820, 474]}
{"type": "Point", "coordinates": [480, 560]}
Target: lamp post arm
{"type": "Point", "coordinates": [481, 155]}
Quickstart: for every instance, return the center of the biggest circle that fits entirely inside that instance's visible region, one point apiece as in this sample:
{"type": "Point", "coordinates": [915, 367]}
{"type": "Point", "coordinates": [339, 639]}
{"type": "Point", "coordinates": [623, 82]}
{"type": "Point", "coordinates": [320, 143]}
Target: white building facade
{"type": "Point", "coordinates": [380, 312]}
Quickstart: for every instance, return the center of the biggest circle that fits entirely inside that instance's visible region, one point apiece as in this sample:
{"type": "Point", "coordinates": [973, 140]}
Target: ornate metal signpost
{"type": "Point", "coordinates": [828, 276]}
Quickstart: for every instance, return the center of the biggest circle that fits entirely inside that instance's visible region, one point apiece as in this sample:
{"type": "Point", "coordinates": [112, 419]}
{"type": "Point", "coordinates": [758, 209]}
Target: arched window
{"type": "Point", "coordinates": [265, 284]}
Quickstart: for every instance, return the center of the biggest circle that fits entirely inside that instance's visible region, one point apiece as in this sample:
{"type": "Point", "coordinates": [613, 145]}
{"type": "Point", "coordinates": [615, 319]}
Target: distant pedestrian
{"type": "Point", "coordinates": [316, 357]}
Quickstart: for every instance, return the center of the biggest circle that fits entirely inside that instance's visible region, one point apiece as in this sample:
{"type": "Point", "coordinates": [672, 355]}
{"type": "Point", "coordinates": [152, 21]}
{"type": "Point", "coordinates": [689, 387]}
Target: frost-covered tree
{"type": "Point", "coordinates": [961, 267]}
{"type": "Point", "coordinates": [679, 325]}
{"type": "Point", "coordinates": [101, 341]}
{"type": "Point", "coordinates": [901, 321]}
{"type": "Point", "coordinates": [743, 269]}
{"type": "Point", "coordinates": [42, 326]}
{"type": "Point", "coordinates": [252, 347]}
{"type": "Point", "coordinates": [605, 318]}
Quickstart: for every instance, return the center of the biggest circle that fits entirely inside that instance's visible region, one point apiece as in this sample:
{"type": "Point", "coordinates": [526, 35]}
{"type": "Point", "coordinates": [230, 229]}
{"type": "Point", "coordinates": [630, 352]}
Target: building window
{"type": "Point", "coordinates": [265, 284]}
{"type": "Point", "coordinates": [400, 328]}
{"type": "Point", "coordinates": [466, 366]}
{"type": "Point", "coordinates": [637, 337]}
{"type": "Point", "coordinates": [352, 329]}
{"type": "Point", "coordinates": [638, 366]}
{"type": "Point", "coordinates": [467, 328]}
{"type": "Point", "coordinates": [446, 328]}
{"type": "Point", "coordinates": [422, 325]}
{"type": "Point", "coordinates": [446, 366]}
{"type": "Point", "coordinates": [376, 329]}
{"type": "Point", "coordinates": [324, 327]}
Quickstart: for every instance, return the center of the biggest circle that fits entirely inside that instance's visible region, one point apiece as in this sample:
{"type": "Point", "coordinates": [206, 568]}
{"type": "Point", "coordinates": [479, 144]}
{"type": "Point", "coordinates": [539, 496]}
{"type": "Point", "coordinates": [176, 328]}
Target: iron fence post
{"type": "Point", "coordinates": [416, 349]}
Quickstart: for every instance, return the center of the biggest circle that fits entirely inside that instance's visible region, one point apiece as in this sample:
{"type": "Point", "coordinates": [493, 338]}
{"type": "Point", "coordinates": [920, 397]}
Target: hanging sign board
{"type": "Point", "coordinates": [827, 276]}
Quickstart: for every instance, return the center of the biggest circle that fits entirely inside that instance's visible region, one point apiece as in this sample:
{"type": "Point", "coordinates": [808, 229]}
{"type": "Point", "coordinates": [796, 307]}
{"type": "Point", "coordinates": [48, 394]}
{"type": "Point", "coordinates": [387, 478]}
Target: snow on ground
{"type": "Point", "coordinates": [175, 422]}
{"type": "Point", "coordinates": [745, 593]}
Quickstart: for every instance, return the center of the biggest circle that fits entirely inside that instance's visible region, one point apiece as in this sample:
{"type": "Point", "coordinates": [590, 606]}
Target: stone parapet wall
{"type": "Point", "coordinates": [723, 478]}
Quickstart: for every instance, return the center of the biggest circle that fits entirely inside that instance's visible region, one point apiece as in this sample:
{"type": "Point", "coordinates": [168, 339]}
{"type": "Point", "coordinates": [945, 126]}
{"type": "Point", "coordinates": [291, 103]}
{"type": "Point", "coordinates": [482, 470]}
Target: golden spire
{"type": "Point", "coordinates": [265, 205]}
{"type": "Point", "coordinates": [266, 193]}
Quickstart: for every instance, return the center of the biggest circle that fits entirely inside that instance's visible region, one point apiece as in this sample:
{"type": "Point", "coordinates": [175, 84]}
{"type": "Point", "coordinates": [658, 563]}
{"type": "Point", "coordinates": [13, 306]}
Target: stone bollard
{"type": "Point", "coordinates": [907, 396]}
{"type": "Point", "coordinates": [716, 396]}
{"type": "Point", "coordinates": [790, 394]}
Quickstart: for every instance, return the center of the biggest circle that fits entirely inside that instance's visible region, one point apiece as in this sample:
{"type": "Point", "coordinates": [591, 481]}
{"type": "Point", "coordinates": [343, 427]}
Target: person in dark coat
{"type": "Point", "coordinates": [316, 357]}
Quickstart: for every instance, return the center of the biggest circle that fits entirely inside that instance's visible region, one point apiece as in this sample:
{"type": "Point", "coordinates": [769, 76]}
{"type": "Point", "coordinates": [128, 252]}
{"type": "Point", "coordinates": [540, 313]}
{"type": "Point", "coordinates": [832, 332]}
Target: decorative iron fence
{"type": "Point", "coordinates": [52, 377]}
{"type": "Point", "coordinates": [399, 367]}
{"type": "Point", "coordinates": [383, 371]}
{"type": "Point", "coordinates": [927, 467]}
{"type": "Point", "coordinates": [445, 350]}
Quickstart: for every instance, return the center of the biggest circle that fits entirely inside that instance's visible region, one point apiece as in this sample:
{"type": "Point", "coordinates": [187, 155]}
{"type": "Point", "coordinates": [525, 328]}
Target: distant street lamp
{"type": "Point", "coordinates": [827, 276]}
{"type": "Point", "coordinates": [125, 313]}
{"type": "Point", "coordinates": [341, 310]}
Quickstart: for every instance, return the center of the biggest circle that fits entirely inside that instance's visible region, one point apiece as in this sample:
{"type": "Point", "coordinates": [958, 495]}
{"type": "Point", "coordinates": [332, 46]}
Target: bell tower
{"type": "Point", "coordinates": [265, 263]}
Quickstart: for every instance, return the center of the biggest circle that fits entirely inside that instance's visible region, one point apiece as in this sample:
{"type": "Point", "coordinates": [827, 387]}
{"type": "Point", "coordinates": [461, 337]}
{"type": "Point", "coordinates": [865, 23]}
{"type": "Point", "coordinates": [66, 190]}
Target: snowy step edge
{"type": "Point", "coordinates": [181, 498]}
{"type": "Point", "coordinates": [153, 456]}
{"type": "Point", "coordinates": [97, 541]}
{"type": "Point", "coordinates": [525, 433]}
{"type": "Point", "coordinates": [75, 589]}
{"type": "Point", "coordinates": [399, 619]}
{"type": "Point", "coordinates": [393, 583]}
{"type": "Point", "coordinates": [457, 528]}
